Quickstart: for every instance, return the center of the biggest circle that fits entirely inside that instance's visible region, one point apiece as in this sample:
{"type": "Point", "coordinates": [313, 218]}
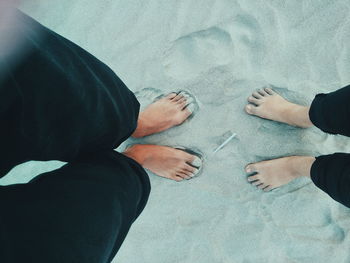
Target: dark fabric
{"type": "Point", "coordinates": [330, 112]}
{"type": "Point", "coordinates": [58, 102]}
{"type": "Point", "coordinates": [331, 173]}
{"type": "Point", "coordinates": [78, 213]}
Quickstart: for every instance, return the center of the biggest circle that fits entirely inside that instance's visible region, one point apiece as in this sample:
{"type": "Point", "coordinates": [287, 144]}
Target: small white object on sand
{"type": "Point", "coordinates": [225, 142]}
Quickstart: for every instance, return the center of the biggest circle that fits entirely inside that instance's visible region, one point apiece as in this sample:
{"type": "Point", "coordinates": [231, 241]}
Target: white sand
{"type": "Point", "coordinates": [221, 51]}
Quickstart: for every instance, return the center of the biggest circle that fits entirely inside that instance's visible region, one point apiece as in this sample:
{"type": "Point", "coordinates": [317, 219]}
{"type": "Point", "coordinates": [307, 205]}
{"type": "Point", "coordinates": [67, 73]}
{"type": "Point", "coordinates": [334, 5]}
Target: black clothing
{"type": "Point", "coordinates": [330, 112]}
{"type": "Point", "coordinates": [58, 102]}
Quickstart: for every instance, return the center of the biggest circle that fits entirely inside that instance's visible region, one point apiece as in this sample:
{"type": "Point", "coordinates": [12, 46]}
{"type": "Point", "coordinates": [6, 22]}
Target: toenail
{"type": "Point", "coordinates": [196, 162]}
{"type": "Point", "coordinates": [190, 107]}
{"type": "Point", "coordinates": [248, 169]}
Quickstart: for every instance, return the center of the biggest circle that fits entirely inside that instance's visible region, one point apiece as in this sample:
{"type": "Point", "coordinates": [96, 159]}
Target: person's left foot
{"type": "Point", "coordinates": [163, 114]}
{"type": "Point", "coordinates": [266, 103]}
{"type": "Point", "coordinates": [164, 161]}
{"type": "Point", "coordinates": [275, 173]}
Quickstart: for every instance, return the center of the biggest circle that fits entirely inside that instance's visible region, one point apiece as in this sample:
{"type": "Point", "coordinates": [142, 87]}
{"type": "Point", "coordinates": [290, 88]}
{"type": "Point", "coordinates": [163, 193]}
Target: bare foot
{"type": "Point", "coordinates": [165, 161]}
{"type": "Point", "coordinates": [163, 114]}
{"type": "Point", "coordinates": [275, 173]}
{"type": "Point", "coordinates": [267, 104]}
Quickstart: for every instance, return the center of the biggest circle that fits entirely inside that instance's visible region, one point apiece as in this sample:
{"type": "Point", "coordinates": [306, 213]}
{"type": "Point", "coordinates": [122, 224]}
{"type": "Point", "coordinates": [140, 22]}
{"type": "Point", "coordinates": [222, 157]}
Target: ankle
{"type": "Point", "coordinates": [303, 114]}
{"type": "Point", "coordinates": [138, 153]}
{"type": "Point", "coordinates": [298, 115]}
{"type": "Point", "coordinates": [141, 128]}
{"type": "Point", "coordinates": [301, 165]}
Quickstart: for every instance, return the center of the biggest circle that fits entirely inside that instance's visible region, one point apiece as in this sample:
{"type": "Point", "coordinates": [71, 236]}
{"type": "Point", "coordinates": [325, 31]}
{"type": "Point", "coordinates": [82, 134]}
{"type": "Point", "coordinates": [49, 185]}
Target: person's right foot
{"type": "Point", "coordinates": [163, 114]}
{"type": "Point", "coordinates": [275, 173]}
{"type": "Point", "coordinates": [267, 104]}
{"type": "Point", "coordinates": [165, 161]}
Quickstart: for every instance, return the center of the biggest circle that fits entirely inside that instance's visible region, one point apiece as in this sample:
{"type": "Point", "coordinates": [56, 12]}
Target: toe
{"type": "Point", "coordinates": [190, 169]}
{"type": "Point", "coordinates": [177, 178]}
{"type": "Point", "coordinates": [182, 100]}
{"type": "Point", "coordinates": [183, 175]}
{"type": "Point", "coordinates": [190, 108]}
{"type": "Point", "coordinates": [183, 155]}
{"type": "Point", "coordinates": [171, 95]}
{"type": "Point", "coordinates": [257, 95]}
{"type": "Point", "coordinates": [262, 92]}
{"type": "Point", "coordinates": [185, 112]}
{"type": "Point", "coordinates": [251, 168]}
{"type": "Point", "coordinates": [255, 101]}
{"type": "Point", "coordinates": [183, 105]}
{"type": "Point", "coordinates": [189, 99]}
{"type": "Point", "coordinates": [269, 188]}
{"type": "Point", "coordinates": [193, 161]}
{"type": "Point", "coordinates": [197, 162]}
{"type": "Point", "coordinates": [189, 157]}
{"type": "Point", "coordinates": [256, 183]}
{"type": "Point", "coordinates": [252, 178]}
{"type": "Point", "coordinates": [269, 91]}
{"type": "Point", "coordinates": [261, 186]}
{"type": "Point", "coordinates": [189, 174]}
{"type": "Point", "coordinates": [250, 109]}
{"type": "Point", "coordinates": [178, 97]}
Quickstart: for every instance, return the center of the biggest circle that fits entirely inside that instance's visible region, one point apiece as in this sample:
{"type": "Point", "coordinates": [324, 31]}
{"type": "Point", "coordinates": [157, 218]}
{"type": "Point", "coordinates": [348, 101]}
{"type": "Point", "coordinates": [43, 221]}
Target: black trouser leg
{"type": "Point", "coordinates": [331, 112]}
{"type": "Point", "coordinates": [78, 213]}
{"type": "Point", "coordinates": [58, 102]}
{"type": "Point", "coordinates": [331, 173]}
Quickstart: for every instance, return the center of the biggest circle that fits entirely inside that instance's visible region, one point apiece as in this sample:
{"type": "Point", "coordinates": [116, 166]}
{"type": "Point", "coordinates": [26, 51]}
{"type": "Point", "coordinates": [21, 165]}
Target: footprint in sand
{"type": "Point", "coordinates": [147, 95]}
{"type": "Point", "coordinates": [239, 42]}
{"type": "Point", "coordinates": [246, 30]}
{"type": "Point", "coordinates": [197, 52]}
{"type": "Point", "coordinates": [249, 41]}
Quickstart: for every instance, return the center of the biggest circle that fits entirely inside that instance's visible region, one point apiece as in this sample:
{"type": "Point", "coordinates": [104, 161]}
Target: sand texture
{"type": "Point", "coordinates": [221, 51]}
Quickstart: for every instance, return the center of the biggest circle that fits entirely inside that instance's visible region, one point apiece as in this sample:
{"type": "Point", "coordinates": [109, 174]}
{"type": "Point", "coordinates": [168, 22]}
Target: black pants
{"type": "Point", "coordinates": [331, 113]}
{"type": "Point", "coordinates": [58, 102]}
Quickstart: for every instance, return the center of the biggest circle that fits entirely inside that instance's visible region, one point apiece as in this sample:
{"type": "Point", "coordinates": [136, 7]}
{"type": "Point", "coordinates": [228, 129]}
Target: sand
{"type": "Point", "coordinates": [221, 51]}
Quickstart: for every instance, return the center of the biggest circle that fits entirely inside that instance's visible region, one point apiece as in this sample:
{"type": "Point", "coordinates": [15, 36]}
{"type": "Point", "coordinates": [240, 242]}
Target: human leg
{"type": "Point", "coordinates": [271, 174]}
{"type": "Point", "coordinates": [78, 213]}
{"type": "Point", "coordinates": [330, 112]}
{"type": "Point", "coordinates": [58, 101]}
{"type": "Point", "coordinates": [267, 104]}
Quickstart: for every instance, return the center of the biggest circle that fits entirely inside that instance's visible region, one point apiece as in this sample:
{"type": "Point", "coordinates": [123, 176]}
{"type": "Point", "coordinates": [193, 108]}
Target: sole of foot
{"type": "Point", "coordinates": [166, 112]}
{"type": "Point", "coordinates": [266, 103]}
{"type": "Point", "coordinates": [176, 164]}
{"type": "Point", "coordinates": [271, 174]}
